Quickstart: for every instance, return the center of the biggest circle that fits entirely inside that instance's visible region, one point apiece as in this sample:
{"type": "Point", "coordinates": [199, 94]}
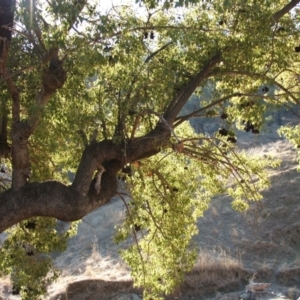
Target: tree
{"type": "Point", "coordinates": [101, 95]}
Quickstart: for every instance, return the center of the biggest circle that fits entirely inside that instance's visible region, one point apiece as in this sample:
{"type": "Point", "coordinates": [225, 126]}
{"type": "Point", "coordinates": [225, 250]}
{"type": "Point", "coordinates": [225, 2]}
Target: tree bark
{"type": "Point", "coordinates": [70, 203]}
{"type": "Point", "coordinates": [4, 146]}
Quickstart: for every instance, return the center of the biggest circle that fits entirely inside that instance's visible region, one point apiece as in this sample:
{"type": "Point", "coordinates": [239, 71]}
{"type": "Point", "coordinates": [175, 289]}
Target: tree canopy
{"type": "Point", "coordinates": [106, 96]}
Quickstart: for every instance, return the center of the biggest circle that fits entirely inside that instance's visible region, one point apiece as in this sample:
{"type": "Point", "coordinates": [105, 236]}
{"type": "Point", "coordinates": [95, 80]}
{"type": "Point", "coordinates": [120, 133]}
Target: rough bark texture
{"type": "Point", "coordinates": [70, 203]}
{"type": "Point", "coordinates": [4, 146]}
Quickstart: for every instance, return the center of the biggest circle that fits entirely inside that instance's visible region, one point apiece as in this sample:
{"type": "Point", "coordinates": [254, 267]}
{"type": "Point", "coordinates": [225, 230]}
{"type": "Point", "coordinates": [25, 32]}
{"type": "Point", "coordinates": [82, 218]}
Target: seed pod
{"type": "Point", "coordinates": [178, 147]}
{"type": "Point", "coordinates": [224, 116]}
{"type": "Point", "coordinates": [249, 126]}
{"type": "Point", "coordinates": [137, 227]}
{"type": "Point", "coordinates": [246, 128]}
{"type": "Point", "coordinates": [231, 139]}
{"type": "Point", "coordinates": [30, 225]}
{"type": "Point", "coordinates": [223, 131]}
{"type": "Point", "coordinates": [127, 169]}
{"type": "Point", "coordinates": [15, 290]}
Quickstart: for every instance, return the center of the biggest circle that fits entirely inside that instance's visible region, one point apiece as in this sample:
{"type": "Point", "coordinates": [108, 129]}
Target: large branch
{"type": "Point", "coordinates": [53, 199]}
{"type": "Point", "coordinates": [279, 14]}
{"type": "Point", "coordinates": [182, 97]}
{"type": "Point", "coordinates": [4, 146]}
{"type": "Point", "coordinates": [69, 203]}
{"type": "Point", "coordinates": [97, 154]}
{"type": "Point", "coordinates": [54, 77]}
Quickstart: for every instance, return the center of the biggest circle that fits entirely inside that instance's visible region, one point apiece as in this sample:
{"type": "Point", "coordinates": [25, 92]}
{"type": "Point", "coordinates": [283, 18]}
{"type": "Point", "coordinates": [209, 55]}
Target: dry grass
{"type": "Point", "coordinates": [215, 271]}
{"type": "Point", "coordinates": [233, 246]}
{"type": "Point", "coordinates": [218, 267]}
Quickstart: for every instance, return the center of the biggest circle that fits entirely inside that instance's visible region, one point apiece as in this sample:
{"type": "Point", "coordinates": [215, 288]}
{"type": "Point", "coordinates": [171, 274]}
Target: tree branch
{"type": "Point", "coordinates": [77, 7]}
{"type": "Point", "coordinates": [69, 203]}
{"type": "Point", "coordinates": [53, 199]}
{"type": "Point", "coordinates": [54, 77]}
{"type": "Point", "coordinates": [257, 75]}
{"type": "Point", "coordinates": [19, 135]}
{"type": "Point", "coordinates": [96, 155]}
{"type": "Point", "coordinates": [17, 72]}
{"type": "Point", "coordinates": [6, 19]}
{"type": "Point", "coordinates": [279, 14]}
{"type": "Point", "coordinates": [181, 98]}
{"type": "Point", "coordinates": [4, 147]}
{"type": "Point", "coordinates": [157, 51]}
{"type": "Point", "coordinates": [180, 120]}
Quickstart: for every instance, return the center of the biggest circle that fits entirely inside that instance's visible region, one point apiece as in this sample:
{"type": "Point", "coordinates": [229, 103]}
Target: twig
{"type": "Point", "coordinates": [157, 51]}
{"type": "Point", "coordinates": [17, 72]}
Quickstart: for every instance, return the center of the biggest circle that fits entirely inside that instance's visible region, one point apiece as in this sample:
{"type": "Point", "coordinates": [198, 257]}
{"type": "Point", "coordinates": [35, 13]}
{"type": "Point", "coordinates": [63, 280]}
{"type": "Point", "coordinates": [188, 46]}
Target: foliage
{"type": "Point", "coordinates": [169, 193]}
{"type": "Point", "coordinates": [124, 67]}
{"type": "Point", "coordinates": [25, 255]}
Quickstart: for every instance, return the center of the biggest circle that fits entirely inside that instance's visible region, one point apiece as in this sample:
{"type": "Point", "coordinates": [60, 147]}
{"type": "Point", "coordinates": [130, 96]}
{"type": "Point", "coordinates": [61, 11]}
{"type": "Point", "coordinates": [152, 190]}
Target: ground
{"type": "Point", "coordinates": [233, 246]}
